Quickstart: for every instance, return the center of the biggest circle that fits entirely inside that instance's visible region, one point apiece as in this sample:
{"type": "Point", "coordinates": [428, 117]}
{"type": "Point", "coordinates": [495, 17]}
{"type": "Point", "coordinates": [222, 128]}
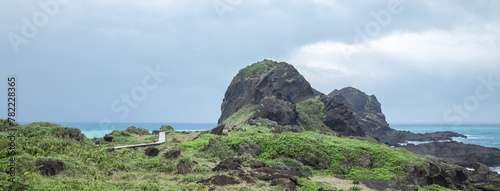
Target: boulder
{"type": "Point", "coordinates": [218, 130]}
{"type": "Point", "coordinates": [50, 167]}
{"type": "Point", "coordinates": [155, 132]}
{"type": "Point", "coordinates": [152, 151]}
{"type": "Point", "coordinates": [232, 163]}
{"type": "Point", "coordinates": [249, 148]}
{"type": "Point", "coordinates": [340, 119]}
{"type": "Point", "coordinates": [458, 153]}
{"type": "Point", "coordinates": [219, 180]}
{"type": "Point", "coordinates": [283, 183]}
{"type": "Point", "coordinates": [108, 138]}
{"type": "Point", "coordinates": [173, 154]}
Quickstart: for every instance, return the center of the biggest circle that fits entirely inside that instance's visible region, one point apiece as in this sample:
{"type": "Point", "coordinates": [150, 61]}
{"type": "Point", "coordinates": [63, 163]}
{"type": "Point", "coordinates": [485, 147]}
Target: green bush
{"type": "Point", "coordinates": [167, 128]}
{"type": "Point", "coordinates": [306, 170]}
{"type": "Point", "coordinates": [308, 185]}
{"type": "Point", "coordinates": [197, 144]}
{"type": "Point", "coordinates": [137, 130]}
{"type": "Point", "coordinates": [311, 115]}
{"type": "Point", "coordinates": [388, 163]}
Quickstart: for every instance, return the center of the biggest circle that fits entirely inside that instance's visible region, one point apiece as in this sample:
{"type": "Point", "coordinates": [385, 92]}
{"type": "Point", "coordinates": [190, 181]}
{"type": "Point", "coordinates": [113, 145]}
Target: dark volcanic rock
{"type": "Point", "coordinates": [173, 154]}
{"type": "Point", "coordinates": [50, 167]}
{"type": "Point", "coordinates": [108, 138]}
{"type": "Point", "coordinates": [271, 90]}
{"type": "Point", "coordinates": [366, 108]}
{"type": "Point", "coordinates": [458, 153]}
{"type": "Point", "coordinates": [259, 164]}
{"type": "Point", "coordinates": [152, 151]}
{"type": "Point", "coordinates": [232, 163]}
{"type": "Point", "coordinates": [277, 110]}
{"type": "Point", "coordinates": [450, 176]}
{"type": "Point", "coordinates": [249, 148]}
{"type": "Point", "coordinates": [218, 130]}
{"type": "Point", "coordinates": [265, 79]}
{"type": "Point", "coordinates": [340, 119]}
{"type": "Point", "coordinates": [155, 132]}
{"type": "Point", "coordinates": [219, 180]}
{"type": "Point", "coordinates": [368, 111]}
{"type": "Point", "coordinates": [284, 183]}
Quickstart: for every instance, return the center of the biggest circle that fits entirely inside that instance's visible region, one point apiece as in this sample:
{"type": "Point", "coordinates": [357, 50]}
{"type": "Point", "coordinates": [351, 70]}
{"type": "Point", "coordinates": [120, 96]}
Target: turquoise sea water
{"type": "Point", "coordinates": [93, 129]}
{"type": "Point", "coordinates": [487, 135]}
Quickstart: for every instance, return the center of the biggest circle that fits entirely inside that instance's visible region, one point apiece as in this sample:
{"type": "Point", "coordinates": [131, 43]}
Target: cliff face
{"type": "Point", "coordinates": [272, 90]}
{"type": "Point", "coordinates": [366, 109]}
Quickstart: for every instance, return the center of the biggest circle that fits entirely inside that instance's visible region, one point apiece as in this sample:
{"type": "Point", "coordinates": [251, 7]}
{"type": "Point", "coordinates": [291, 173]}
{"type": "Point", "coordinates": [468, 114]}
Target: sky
{"type": "Point", "coordinates": [172, 61]}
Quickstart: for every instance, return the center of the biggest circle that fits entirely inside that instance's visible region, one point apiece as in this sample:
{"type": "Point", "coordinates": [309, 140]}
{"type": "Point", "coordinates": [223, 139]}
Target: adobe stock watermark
{"type": "Point", "coordinates": [223, 6]}
{"type": "Point", "coordinates": [30, 27]}
{"type": "Point", "coordinates": [372, 29]}
{"type": "Point", "coordinates": [11, 113]}
{"type": "Point", "coordinates": [123, 105]}
{"type": "Point", "coordinates": [486, 87]}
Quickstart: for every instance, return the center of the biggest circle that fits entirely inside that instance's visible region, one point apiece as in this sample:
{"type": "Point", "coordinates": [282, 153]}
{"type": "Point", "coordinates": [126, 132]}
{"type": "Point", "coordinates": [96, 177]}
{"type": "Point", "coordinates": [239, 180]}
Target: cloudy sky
{"type": "Point", "coordinates": [171, 61]}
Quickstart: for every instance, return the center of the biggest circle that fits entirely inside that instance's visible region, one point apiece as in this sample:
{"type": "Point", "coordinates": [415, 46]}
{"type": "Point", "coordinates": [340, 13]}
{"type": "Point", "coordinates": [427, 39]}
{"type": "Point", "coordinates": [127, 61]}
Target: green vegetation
{"type": "Point", "coordinates": [255, 71]}
{"type": "Point", "coordinates": [94, 168]}
{"type": "Point", "coordinates": [167, 128]}
{"type": "Point", "coordinates": [241, 116]}
{"type": "Point", "coordinates": [137, 130]}
{"type": "Point", "coordinates": [306, 170]}
{"type": "Point", "coordinates": [435, 187]}
{"type": "Point", "coordinates": [311, 115]}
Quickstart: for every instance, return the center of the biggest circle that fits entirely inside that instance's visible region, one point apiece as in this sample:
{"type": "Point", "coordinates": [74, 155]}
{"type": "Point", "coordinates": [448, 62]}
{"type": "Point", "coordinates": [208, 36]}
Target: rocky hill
{"type": "Point", "coordinates": [276, 93]}
{"type": "Point", "coordinates": [368, 111]}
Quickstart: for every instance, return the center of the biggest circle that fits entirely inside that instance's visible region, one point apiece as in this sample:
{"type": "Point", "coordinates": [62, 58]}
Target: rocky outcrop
{"type": "Point", "coordinates": [173, 154]}
{"type": "Point", "coordinates": [278, 175]}
{"type": "Point", "coordinates": [108, 138]}
{"type": "Point", "coordinates": [50, 167]}
{"type": "Point", "coordinates": [271, 90]}
{"type": "Point", "coordinates": [450, 176]}
{"type": "Point", "coordinates": [137, 130]}
{"type": "Point", "coordinates": [151, 151]}
{"type": "Point", "coordinates": [250, 148]}
{"type": "Point", "coordinates": [233, 163]}
{"type": "Point", "coordinates": [458, 153]}
{"type": "Point", "coordinates": [340, 119]}
{"type": "Point", "coordinates": [367, 109]}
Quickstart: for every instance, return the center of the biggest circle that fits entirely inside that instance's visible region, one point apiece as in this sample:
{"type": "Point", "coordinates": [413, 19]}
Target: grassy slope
{"type": "Point", "coordinates": [88, 166]}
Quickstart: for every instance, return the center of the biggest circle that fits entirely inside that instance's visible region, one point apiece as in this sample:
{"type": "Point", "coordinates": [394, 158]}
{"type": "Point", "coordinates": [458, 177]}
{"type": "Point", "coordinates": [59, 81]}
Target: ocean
{"type": "Point", "coordinates": [92, 129]}
{"type": "Point", "coordinates": [487, 135]}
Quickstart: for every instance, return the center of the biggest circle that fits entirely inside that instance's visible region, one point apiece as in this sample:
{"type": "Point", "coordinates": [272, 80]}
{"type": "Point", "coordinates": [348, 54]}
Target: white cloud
{"type": "Point", "coordinates": [447, 54]}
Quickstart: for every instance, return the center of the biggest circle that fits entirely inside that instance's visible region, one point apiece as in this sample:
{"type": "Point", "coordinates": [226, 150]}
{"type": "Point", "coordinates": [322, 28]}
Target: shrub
{"type": "Point", "coordinates": [311, 115]}
{"type": "Point", "coordinates": [167, 128]}
{"type": "Point", "coordinates": [137, 130]}
{"type": "Point", "coordinates": [306, 170]}
{"type": "Point", "coordinates": [184, 165]}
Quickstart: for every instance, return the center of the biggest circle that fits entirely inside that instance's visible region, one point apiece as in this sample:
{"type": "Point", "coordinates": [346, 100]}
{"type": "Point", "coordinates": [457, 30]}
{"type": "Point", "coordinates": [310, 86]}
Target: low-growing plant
{"type": "Point", "coordinates": [306, 170]}
{"type": "Point", "coordinates": [308, 185]}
